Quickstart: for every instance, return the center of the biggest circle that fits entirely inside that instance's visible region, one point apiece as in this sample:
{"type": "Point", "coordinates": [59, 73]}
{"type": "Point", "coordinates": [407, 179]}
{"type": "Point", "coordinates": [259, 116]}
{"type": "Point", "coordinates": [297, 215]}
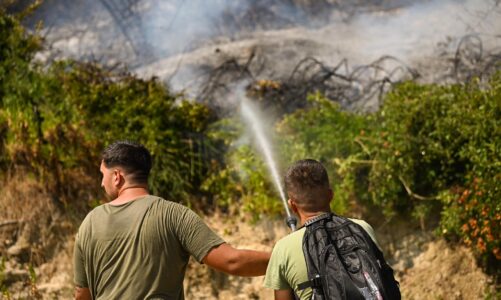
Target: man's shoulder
{"type": "Point", "coordinates": [363, 224]}
{"type": "Point", "coordinates": [287, 266]}
{"type": "Point", "coordinates": [90, 214]}
{"type": "Point", "coordinates": [158, 204]}
{"type": "Point", "coordinates": [167, 207]}
{"type": "Point", "coordinates": [298, 234]}
{"type": "Point", "coordinates": [168, 203]}
{"type": "Point", "coordinates": [290, 241]}
{"type": "Point", "coordinates": [360, 222]}
{"type": "Point", "coordinates": [144, 201]}
{"type": "Point", "coordinates": [106, 208]}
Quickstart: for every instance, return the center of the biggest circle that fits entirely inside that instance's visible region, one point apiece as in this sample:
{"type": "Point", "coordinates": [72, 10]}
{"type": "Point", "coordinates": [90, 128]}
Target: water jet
{"type": "Point", "coordinates": [249, 115]}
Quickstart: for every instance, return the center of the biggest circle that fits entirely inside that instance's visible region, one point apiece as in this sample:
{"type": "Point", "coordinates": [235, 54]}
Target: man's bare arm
{"type": "Point", "coordinates": [239, 262]}
{"type": "Point", "coordinates": [284, 295]}
{"type": "Point", "coordinates": [82, 293]}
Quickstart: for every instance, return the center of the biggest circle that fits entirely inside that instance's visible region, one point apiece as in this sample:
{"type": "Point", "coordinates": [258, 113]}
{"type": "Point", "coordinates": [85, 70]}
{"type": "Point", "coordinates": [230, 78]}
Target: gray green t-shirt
{"type": "Point", "coordinates": [139, 250]}
{"type": "Point", "coordinates": [287, 266]}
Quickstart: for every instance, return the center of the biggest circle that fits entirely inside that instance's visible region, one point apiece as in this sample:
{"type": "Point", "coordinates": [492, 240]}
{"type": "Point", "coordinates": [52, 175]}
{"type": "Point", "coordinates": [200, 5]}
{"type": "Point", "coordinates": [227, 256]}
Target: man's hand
{"type": "Point", "coordinates": [284, 295]}
{"type": "Point", "coordinates": [82, 293]}
{"type": "Point", "coordinates": [233, 261]}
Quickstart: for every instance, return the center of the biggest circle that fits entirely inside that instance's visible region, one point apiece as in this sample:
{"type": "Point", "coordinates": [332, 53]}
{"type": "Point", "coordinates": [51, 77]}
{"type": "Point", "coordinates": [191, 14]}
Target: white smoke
{"type": "Point", "coordinates": [187, 37]}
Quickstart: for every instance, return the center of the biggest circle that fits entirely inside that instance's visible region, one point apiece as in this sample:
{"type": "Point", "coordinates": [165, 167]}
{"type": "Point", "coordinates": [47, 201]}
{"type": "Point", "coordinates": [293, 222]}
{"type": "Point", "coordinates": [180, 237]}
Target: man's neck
{"type": "Point", "coordinates": [130, 193]}
{"type": "Point", "coordinates": [305, 216]}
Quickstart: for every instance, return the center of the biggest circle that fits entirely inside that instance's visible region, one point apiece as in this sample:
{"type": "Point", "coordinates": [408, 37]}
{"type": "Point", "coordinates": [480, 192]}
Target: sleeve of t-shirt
{"type": "Point", "coordinates": [80, 277]}
{"type": "Point", "coordinates": [195, 236]}
{"type": "Point", "coordinates": [275, 278]}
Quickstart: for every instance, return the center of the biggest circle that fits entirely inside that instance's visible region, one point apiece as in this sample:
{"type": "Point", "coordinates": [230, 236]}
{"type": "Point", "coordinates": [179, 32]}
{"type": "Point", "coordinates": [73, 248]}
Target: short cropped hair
{"type": "Point", "coordinates": [307, 182]}
{"type": "Point", "coordinates": [134, 158]}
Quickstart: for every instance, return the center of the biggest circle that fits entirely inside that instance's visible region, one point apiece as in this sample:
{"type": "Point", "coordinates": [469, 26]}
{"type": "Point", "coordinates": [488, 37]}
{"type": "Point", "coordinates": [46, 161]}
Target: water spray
{"type": "Point", "coordinates": [250, 117]}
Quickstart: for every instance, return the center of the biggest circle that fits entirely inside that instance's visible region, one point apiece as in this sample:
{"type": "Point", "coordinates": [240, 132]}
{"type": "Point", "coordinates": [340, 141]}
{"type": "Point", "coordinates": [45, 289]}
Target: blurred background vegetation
{"type": "Point", "coordinates": [432, 152]}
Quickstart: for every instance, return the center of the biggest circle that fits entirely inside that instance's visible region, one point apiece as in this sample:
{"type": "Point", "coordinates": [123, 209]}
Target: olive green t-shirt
{"type": "Point", "coordinates": [287, 266]}
{"type": "Point", "coordinates": [139, 250]}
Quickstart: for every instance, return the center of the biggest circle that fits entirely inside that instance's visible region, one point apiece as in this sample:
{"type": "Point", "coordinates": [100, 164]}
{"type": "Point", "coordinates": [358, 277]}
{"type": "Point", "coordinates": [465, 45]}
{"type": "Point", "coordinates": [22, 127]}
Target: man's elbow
{"type": "Point", "coordinates": [234, 263]}
{"type": "Point", "coordinates": [247, 262]}
{"type": "Point", "coordinates": [238, 262]}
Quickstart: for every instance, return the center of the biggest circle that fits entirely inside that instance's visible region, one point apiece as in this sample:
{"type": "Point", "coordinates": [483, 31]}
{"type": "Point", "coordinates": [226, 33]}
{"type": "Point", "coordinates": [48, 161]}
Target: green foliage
{"type": "Point", "coordinates": [326, 133]}
{"type": "Point", "coordinates": [56, 121]}
{"type": "Point", "coordinates": [17, 49]}
{"type": "Point", "coordinates": [443, 143]}
{"type": "Point", "coordinates": [130, 108]}
{"type": "Point", "coordinates": [2, 274]}
{"type": "Point", "coordinates": [323, 132]}
{"type": "Point", "coordinates": [4, 291]}
{"type": "Point", "coordinates": [34, 293]}
{"type": "Point", "coordinates": [259, 195]}
{"type": "Point", "coordinates": [244, 181]}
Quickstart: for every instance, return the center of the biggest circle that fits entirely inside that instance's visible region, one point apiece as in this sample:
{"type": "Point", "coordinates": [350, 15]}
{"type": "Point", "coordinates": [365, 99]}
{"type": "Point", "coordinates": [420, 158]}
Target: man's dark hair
{"type": "Point", "coordinates": [306, 181]}
{"type": "Point", "coordinates": [134, 158]}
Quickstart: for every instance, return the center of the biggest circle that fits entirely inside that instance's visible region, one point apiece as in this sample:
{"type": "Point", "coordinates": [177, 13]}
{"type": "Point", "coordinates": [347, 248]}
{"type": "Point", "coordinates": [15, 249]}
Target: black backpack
{"type": "Point", "coordinates": [344, 262]}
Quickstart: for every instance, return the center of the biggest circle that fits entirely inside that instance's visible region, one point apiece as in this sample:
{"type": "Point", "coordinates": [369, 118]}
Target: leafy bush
{"type": "Point", "coordinates": [243, 181]}
{"type": "Point", "coordinates": [326, 133]}
{"type": "Point", "coordinates": [323, 132]}
{"type": "Point", "coordinates": [443, 143]}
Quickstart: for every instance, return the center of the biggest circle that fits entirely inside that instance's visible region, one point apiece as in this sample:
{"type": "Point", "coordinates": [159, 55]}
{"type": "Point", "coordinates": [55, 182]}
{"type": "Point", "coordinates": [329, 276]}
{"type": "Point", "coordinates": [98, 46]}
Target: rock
{"type": "Point", "coordinates": [18, 249]}
{"type": "Point", "coordinates": [14, 275]}
{"type": "Point", "coordinates": [50, 288]}
{"type": "Point", "coordinates": [21, 249]}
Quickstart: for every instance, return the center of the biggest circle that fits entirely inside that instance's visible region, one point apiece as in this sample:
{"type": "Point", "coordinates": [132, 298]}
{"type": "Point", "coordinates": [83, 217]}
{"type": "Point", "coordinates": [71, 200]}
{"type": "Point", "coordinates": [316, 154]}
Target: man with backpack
{"type": "Point", "coordinates": [329, 256]}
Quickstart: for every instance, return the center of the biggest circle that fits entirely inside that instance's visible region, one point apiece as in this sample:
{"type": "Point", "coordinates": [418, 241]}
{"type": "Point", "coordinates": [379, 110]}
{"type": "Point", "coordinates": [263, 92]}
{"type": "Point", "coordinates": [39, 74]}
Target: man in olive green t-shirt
{"type": "Point", "coordinates": [137, 246]}
{"type": "Point", "coordinates": [307, 185]}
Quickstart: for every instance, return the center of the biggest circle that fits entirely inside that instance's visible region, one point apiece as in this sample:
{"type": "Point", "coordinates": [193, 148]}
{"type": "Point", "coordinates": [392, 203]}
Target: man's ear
{"type": "Point", "coordinates": [117, 177]}
{"type": "Point", "coordinates": [292, 205]}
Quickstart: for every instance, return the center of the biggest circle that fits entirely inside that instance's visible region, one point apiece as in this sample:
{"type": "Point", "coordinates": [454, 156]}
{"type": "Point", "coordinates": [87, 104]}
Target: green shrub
{"type": "Point", "coordinates": [323, 132]}
{"type": "Point", "coordinates": [124, 107]}
{"type": "Point", "coordinates": [443, 143]}
{"type": "Point", "coordinates": [243, 182]}
{"type": "Point", "coordinates": [334, 137]}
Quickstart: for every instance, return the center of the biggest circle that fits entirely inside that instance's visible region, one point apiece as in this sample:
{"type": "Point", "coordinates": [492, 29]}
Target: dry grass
{"type": "Point", "coordinates": [25, 210]}
{"type": "Point", "coordinates": [36, 233]}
